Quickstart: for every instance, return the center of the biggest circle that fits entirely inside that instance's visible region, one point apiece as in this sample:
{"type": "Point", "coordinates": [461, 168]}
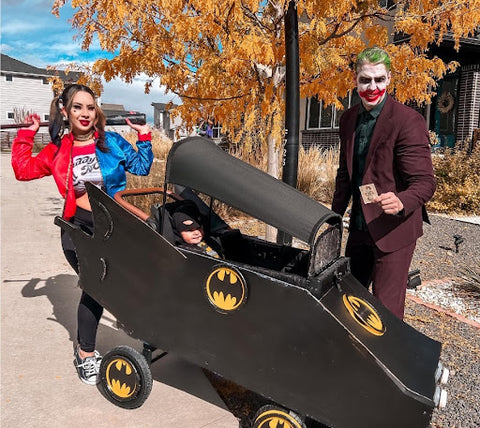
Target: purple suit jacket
{"type": "Point", "coordinates": [399, 161]}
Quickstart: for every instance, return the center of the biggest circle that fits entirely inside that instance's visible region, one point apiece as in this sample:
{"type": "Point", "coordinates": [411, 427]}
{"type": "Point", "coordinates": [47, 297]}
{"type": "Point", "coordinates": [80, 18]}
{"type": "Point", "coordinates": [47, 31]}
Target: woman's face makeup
{"type": "Point", "coordinates": [82, 116]}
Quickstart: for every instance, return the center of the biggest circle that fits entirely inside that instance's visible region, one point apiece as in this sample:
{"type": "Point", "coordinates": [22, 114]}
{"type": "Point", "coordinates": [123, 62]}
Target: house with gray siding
{"type": "Point", "coordinates": [25, 88]}
{"type": "Point", "coordinates": [173, 127]}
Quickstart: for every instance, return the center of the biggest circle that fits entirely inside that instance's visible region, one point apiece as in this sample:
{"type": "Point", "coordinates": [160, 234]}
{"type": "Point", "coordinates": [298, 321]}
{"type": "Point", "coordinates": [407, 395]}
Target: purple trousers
{"type": "Point", "coordinates": [388, 272]}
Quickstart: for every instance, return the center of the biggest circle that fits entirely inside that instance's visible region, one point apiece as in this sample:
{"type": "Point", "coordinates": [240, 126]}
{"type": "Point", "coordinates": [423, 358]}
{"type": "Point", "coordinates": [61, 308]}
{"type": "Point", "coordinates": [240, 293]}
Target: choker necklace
{"type": "Point", "coordinates": [84, 137]}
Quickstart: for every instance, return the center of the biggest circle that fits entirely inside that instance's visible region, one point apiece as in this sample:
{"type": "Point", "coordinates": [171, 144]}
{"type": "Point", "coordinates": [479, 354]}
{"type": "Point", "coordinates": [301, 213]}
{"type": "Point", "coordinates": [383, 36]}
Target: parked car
{"type": "Point", "coordinates": [290, 325]}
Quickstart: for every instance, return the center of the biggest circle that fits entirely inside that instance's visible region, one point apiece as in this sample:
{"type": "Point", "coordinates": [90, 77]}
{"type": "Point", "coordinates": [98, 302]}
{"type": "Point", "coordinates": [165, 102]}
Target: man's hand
{"type": "Point", "coordinates": [389, 203]}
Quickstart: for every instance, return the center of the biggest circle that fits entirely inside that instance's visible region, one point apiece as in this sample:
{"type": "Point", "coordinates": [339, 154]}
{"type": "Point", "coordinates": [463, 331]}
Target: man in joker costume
{"type": "Point", "coordinates": [384, 147]}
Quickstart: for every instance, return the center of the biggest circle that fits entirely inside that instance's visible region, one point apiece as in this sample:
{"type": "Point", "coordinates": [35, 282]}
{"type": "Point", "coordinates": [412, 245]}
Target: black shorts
{"type": "Point", "coordinates": [83, 219]}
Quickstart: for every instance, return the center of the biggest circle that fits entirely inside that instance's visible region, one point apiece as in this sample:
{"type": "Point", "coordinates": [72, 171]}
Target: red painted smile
{"type": "Point", "coordinates": [372, 96]}
{"type": "Point", "coordinates": [85, 122]}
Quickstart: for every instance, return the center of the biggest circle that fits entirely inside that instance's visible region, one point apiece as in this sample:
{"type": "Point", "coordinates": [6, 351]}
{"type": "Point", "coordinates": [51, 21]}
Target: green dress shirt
{"type": "Point", "coordinates": [366, 122]}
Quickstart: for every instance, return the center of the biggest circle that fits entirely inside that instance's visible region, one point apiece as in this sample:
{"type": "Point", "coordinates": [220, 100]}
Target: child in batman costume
{"type": "Point", "coordinates": [188, 225]}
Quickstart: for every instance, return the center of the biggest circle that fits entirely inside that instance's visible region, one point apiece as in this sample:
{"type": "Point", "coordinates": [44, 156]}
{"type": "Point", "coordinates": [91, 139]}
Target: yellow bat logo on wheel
{"type": "Point", "coordinates": [121, 378]}
{"type": "Point", "coordinates": [276, 418]}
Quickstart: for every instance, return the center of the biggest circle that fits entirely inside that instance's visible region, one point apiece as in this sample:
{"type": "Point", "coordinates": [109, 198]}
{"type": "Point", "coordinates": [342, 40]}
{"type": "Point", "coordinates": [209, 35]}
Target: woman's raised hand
{"type": "Point", "coordinates": [141, 129]}
{"type": "Point", "coordinates": [32, 122]}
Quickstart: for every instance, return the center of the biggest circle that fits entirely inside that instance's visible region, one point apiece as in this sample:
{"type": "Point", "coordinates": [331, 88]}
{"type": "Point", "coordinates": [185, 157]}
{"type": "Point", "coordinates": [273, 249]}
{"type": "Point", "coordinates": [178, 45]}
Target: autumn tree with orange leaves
{"type": "Point", "coordinates": [226, 58]}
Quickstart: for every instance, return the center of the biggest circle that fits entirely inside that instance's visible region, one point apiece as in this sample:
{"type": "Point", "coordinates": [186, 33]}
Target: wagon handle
{"type": "Point", "coordinates": [139, 192]}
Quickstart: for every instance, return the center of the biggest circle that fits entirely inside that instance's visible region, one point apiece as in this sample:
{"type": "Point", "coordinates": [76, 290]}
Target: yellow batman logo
{"type": "Point", "coordinates": [276, 418]}
{"type": "Point", "coordinates": [226, 289]}
{"type": "Point", "coordinates": [121, 378]}
{"type": "Point", "coordinates": [364, 314]}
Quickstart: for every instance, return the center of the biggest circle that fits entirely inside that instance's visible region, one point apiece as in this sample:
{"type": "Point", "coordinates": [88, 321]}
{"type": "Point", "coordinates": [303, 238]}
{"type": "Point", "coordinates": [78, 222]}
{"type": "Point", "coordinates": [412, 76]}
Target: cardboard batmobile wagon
{"type": "Point", "coordinates": [290, 327]}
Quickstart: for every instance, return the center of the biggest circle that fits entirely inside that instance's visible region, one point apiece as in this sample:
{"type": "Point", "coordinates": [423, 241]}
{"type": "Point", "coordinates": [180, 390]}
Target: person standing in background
{"type": "Point", "coordinates": [384, 155]}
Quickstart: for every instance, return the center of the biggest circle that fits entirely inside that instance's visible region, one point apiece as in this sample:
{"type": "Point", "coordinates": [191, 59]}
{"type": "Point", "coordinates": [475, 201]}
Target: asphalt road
{"type": "Point", "coordinates": [39, 297]}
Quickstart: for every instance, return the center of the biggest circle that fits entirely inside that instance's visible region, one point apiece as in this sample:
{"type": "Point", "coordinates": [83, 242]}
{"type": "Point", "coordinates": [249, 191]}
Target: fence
{"type": "Point", "coordinates": [40, 140]}
{"type": "Point", "coordinates": [323, 139]}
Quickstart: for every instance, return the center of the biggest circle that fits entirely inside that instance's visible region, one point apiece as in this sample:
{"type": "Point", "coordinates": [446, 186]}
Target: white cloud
{"type": "Point", "coordinates": [18, 27]}
{"type": "Point", "coordinates": [68, 49]}
{"type": "Point", "coordinates": [6, 48]}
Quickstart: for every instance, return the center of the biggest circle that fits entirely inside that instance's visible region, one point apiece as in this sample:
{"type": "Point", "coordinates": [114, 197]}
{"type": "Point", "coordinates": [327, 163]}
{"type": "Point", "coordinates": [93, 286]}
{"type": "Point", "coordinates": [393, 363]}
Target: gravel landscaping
{"type": "Point", "coordinates": [461, 354]}
{"type": "Point", "coordinates": [445, 284]}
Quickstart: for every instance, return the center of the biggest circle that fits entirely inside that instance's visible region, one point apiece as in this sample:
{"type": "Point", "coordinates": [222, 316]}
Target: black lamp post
{"type": "Point", "coordinates": [292, 105]}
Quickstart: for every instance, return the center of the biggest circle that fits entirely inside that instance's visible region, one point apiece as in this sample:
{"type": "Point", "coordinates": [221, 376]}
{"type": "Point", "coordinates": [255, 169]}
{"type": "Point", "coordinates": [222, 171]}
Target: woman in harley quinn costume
{"type": "Point", "coordinates": [86, 153]}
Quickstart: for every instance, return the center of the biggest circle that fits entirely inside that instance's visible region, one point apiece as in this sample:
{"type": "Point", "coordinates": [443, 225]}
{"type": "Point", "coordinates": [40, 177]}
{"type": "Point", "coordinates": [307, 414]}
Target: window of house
{"type": "Point", "coordinates": [387, 4]}
{"type": "Point", "coordinates": [328, 117]}
{"type": "Point", "coordinates": [8, 77]}
{"type": "Point", "coordinates": [10, 115]}
{"type": "Point", "coordinates": [45, 80]}
{"type": "Point", "coordinates": [216, 131]}
{"type": "Point", "coordinates": [46, 117]}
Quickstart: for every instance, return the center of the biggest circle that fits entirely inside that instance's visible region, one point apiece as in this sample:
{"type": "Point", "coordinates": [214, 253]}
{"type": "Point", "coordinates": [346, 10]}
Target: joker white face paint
{"type": "Point", "coordinates": [372, 81]}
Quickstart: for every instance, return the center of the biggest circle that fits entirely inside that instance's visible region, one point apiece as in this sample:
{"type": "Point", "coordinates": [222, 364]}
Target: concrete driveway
{"type": "Point", "coordinates": [39, 297]}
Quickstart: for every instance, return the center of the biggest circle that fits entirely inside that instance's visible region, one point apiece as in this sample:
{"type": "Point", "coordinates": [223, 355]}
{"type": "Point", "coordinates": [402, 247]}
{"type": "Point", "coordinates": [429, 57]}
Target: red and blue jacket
{"type": "Point", "coordinates": [57, 161]}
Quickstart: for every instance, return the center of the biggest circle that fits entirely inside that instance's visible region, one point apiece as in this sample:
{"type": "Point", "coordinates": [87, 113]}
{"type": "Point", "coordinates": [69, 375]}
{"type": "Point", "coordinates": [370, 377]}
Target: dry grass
{"type": "Point", "coordinates": [160, 143]}
{"type": "Point", "coordinates": [316, 173]}
{"type": "Point", "coordinates": [316, 170]}
{"type": "Point", "coordinates": [457, 172]}
{"type": "Point", "coordinates": [161, 146]}
{"type": "Point", "coordinates": [471, 276]}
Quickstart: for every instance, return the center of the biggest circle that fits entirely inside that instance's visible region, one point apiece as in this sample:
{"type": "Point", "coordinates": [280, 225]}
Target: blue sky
{"type": "Point", "coordinates": [30, 33]}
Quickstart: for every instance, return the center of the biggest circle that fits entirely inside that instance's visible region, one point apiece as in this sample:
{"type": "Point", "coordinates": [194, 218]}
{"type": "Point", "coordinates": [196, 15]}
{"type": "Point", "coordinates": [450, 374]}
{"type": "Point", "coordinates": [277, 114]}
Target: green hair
{"type": "Point", "coordinates": [373, 55]}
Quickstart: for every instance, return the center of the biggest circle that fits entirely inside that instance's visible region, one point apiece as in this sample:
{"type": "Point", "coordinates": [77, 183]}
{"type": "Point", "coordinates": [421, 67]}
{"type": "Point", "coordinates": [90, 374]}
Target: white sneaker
{"type": "Point", "coordinates": [88, 367]}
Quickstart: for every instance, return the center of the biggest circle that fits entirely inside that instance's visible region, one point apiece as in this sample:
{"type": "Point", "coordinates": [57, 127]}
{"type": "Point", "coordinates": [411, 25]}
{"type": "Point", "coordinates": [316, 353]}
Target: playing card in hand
{"type": "Point", "coordinates": [369, 193]}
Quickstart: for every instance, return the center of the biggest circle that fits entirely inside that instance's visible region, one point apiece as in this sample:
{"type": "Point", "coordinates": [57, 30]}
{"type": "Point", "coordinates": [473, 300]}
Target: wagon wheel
{"type": "Point", "coordinates": [125, 377]}
{"type": "Point", "coordinates": [274, 416]}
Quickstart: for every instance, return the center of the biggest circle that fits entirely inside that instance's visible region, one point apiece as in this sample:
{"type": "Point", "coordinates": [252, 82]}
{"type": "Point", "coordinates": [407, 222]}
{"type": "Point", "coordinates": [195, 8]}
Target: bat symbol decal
{"type": "Point", "coordinates": [363, 313]}
{"type": "Point", "coordinates": [276, 418]}
{"type": "Point", "coordinates": [226, 289]}
{"type": "Point", "coordinates": [121, 378]}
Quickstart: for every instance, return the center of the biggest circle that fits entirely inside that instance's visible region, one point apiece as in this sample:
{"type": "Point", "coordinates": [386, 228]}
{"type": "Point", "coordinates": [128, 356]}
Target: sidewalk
{"type": "Point", "coordinates": [472, 219]}
{"type": "Point", "coordinates": [39, 296]}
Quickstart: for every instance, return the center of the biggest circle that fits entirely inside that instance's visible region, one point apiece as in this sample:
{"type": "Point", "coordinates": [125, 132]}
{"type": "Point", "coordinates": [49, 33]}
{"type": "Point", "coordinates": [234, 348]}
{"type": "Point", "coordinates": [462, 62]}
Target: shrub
{"type": "Point", "coordinates": [458, 181]}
